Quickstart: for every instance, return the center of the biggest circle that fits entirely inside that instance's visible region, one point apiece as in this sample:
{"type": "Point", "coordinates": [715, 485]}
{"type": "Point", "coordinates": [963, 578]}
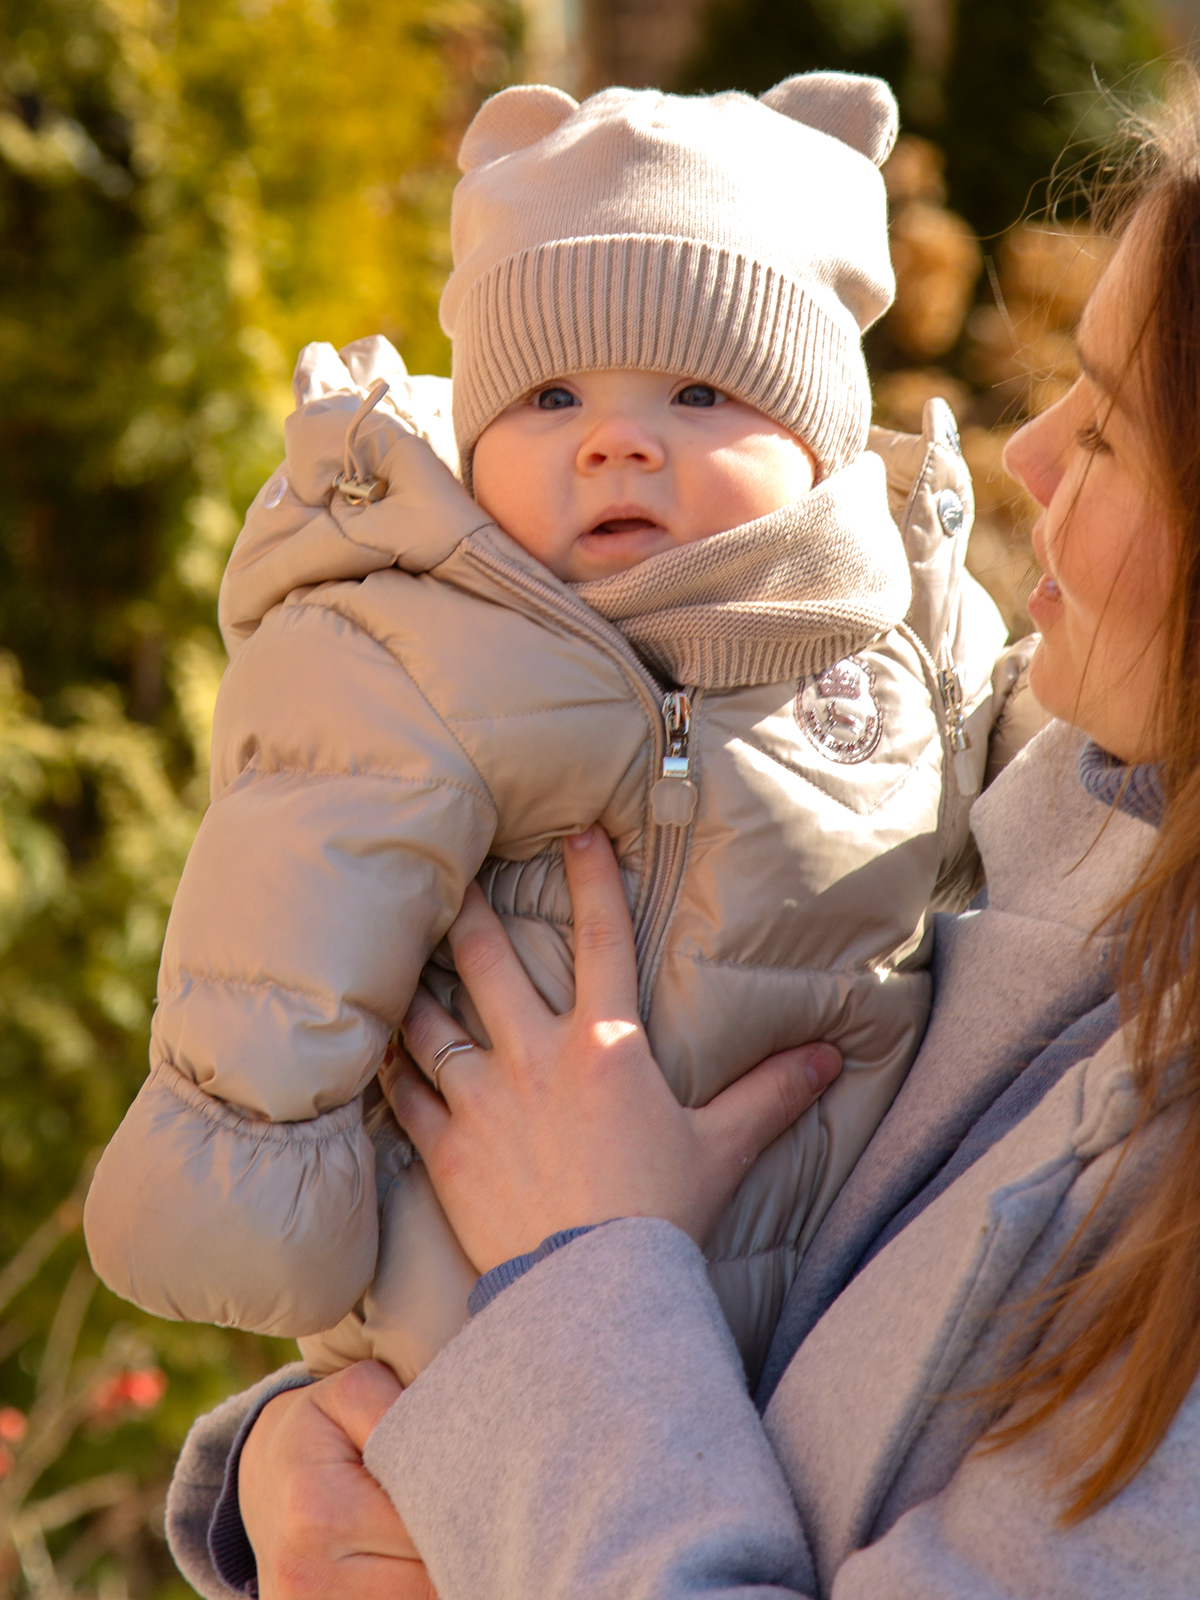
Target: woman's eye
{"type": "Point", "coordinates": [556, 398]}
{"type": "Point", "coordinates": [699, 394]}
{"type": "Point", "coordinates": [1091, 438]}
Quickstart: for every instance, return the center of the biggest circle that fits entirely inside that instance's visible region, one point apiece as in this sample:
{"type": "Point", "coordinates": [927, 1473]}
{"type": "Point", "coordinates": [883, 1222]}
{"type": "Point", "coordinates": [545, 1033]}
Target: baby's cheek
{"type": "Point", "coordinates": [733, 486]}
{"type": "Point", "coordinates": [510, 483]}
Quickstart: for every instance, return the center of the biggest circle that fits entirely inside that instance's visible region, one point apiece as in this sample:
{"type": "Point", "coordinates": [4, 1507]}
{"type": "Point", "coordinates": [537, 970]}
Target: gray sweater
{"type": "Point", "coordinates": [590, 1432]}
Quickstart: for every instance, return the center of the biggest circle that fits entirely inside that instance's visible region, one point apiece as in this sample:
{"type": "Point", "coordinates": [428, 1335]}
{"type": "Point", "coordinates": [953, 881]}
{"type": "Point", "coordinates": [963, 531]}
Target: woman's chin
{"type": "Point", "coordinates": [1046, 686]}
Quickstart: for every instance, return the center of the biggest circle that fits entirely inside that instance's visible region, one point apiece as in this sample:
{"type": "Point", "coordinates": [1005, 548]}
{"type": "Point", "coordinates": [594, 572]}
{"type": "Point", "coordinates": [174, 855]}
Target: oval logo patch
{"type": "Point", "coordinates": [839, 711]}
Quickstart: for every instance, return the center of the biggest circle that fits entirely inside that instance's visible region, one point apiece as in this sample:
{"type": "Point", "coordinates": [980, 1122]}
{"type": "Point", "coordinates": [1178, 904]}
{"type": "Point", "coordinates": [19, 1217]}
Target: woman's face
{"type": "Point", "coordinates": [1104, 539]}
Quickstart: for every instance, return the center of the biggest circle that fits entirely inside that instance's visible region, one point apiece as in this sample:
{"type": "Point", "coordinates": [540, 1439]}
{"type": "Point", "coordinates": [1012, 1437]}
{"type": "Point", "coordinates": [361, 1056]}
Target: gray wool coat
{"type": "Point", "coordinates": [590, 1434]}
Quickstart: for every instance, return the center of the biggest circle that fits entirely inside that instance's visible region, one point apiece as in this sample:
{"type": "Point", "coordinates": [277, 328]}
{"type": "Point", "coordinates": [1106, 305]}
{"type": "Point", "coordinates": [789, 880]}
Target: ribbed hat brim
{"type": "Point", "coordinates": [660, 305]}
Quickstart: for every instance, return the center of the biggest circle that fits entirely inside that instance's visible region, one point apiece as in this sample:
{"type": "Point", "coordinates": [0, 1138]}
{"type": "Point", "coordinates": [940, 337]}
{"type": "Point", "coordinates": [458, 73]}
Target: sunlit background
{"type": "Point", "coordinates": [189, 191]}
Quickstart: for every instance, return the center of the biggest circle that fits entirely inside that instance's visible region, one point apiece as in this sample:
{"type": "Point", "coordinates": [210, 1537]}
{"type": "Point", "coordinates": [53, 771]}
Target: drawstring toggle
{"type": "Point", "coordinates": [352, 483]}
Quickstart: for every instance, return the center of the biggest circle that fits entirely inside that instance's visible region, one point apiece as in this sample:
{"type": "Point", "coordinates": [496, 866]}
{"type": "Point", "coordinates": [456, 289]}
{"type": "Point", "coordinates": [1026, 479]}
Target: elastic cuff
{"type": "Point", "coordinates": [229, 1548]}
{"type": "Point", "coordinates": [489, 1286]}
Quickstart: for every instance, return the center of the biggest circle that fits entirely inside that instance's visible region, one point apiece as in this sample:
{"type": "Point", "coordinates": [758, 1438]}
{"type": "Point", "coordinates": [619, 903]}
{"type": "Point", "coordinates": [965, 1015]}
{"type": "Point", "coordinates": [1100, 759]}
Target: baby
{"type": "Point", "coordinates": [667, 596]}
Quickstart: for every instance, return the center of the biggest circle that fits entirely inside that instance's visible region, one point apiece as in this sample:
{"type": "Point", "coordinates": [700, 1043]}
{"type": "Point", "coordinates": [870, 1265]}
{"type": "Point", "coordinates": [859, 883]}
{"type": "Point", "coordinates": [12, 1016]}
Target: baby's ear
{"type": "Point", "coordinates": [861, 112]}
{"type": "Point", "coordinates": [511, 120]}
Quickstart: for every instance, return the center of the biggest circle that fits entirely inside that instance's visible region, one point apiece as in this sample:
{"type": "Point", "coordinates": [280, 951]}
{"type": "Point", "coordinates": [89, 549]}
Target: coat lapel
{"type": "Point", "coordinates": [862, 1386]}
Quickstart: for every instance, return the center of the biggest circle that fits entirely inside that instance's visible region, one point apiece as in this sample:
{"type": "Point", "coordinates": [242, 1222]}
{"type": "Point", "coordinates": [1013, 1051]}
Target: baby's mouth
{"type": "Point", "coordinates": [625, 525]}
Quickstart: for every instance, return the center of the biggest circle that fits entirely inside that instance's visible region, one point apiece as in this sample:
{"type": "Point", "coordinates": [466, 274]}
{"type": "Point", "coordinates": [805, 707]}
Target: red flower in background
{"type": "Point", "coordinates": [13, 1424]}
{"type": "Point", "coordinates": [140, 1390]}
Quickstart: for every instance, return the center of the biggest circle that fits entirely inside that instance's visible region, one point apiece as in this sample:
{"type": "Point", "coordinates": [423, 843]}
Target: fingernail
{"type": "Point", "coordinates": [822, 1067]}
{"type": "Point", "coordinates": [580, 841]}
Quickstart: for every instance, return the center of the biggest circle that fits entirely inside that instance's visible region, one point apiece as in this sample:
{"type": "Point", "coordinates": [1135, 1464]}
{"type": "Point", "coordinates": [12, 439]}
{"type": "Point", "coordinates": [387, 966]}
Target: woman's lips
{"type": "Point", "coordinates": [1045, 602]}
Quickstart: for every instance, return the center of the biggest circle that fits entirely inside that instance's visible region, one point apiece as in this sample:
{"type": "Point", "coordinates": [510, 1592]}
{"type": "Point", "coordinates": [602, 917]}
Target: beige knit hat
{"type": "Point", "coordinates": [736, 241]}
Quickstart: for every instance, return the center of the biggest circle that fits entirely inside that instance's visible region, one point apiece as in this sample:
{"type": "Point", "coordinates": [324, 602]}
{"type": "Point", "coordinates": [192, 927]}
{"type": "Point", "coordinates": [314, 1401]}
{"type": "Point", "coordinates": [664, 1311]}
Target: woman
{"type": "Point", "coordinates": [1002, 1399]}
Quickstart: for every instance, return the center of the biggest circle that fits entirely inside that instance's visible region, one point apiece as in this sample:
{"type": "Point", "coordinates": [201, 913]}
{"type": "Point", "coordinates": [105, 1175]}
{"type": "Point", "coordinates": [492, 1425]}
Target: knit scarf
{"type": "Point", "coordinates": [778, 598]}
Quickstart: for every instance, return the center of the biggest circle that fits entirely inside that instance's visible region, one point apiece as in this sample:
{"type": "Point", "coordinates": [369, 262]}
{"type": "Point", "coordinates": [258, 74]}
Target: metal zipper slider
{"type": "Point", "coordinates": [960, 742]}
{"type": "Point", "coordinates": [673, 797]}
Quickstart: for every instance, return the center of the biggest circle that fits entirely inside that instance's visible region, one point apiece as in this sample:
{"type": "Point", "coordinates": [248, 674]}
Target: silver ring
{"type": "Point", "coordinates": [444, 1054]}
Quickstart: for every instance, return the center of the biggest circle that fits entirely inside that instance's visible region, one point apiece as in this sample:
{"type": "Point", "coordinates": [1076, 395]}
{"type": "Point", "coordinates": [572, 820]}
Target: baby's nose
{"type": "Point", "coordinates": [621, 442]}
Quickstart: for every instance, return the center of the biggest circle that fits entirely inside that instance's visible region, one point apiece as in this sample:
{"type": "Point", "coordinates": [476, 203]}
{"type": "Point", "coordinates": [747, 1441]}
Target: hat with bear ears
{"type": "Point", "coordinates": [735, 241]}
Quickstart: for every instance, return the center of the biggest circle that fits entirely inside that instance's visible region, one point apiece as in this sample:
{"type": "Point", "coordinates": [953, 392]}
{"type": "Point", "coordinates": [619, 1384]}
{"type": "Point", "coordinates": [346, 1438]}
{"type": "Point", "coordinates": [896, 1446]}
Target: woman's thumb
{"type": "Point", "coordinates": [357, 1397]}
{"type": "Point", "coordinates": [754, 1111]}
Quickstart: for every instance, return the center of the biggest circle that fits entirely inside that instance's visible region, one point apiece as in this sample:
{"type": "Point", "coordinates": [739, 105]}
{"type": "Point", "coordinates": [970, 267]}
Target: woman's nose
{"type": "Point", "coordinates": [621, 442]}
{"type": "Point", "coordinates": [1033, 456]}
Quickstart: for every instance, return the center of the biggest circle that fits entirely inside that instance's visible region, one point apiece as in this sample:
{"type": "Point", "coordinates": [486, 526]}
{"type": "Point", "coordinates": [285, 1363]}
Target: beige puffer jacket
{"type": "Point", "coordinates": [413, 701]}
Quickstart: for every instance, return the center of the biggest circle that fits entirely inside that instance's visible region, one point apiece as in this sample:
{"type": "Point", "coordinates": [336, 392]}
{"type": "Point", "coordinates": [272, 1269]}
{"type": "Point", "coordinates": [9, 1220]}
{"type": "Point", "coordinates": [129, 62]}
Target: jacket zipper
{"type": "Point", "coordinates": [950, 685]}
{"type": "Point", "coordinates": [947, 695]}
{"type": "Point", "coordinates": [673, 800]}
{"type": "Point", "coordinates": [670, 717]}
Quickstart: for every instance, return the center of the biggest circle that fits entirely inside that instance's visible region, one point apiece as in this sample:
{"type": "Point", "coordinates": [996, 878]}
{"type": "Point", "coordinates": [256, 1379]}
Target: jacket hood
{"type": "Point", "coordinates": [780, 597]}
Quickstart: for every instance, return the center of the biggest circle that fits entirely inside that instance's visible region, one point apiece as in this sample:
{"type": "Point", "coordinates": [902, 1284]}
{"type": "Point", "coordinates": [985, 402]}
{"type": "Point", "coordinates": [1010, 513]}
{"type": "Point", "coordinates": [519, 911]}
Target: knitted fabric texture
{"type": "Point", "coordinates": [1138, 790]}
{"type": "Point", "coordinates": [780, 597]}
{"type": "Point", "coordinates": [733, 241]}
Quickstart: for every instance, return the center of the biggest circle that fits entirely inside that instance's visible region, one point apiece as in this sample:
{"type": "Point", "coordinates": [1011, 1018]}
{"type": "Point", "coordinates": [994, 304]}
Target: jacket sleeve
{"type": "Point", "coordinates": [589, 1435]}
{"type": "Point", "coordinates": [346, 825]}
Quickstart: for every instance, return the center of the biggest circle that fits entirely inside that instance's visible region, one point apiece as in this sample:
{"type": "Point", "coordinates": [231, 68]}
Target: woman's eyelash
{"type": "Point", "coordinates": [1091, 437]}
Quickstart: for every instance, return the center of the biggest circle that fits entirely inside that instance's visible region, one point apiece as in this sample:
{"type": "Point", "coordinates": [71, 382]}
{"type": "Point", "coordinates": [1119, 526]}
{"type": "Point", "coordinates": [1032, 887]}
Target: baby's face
{"type": "Point", "coordinates": [599, 470]}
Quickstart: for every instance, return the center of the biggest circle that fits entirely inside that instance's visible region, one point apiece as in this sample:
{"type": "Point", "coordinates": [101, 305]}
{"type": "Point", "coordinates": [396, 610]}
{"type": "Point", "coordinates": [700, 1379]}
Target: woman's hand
{"type": "Point", "coordinates": [567, 1120]}
{"type": "Point", "coordinates": [320, 1526]}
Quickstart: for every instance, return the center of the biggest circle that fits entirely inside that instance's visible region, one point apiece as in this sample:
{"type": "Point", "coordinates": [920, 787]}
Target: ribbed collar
{"type": "Point", "coordinates": [780, 597]}
{"type": "Point", "coordinates": [1137, 790]}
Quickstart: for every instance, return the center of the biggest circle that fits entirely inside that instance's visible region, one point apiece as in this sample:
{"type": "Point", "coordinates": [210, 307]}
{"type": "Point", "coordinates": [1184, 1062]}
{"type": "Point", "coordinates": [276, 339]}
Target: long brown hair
{"type": "Point", "coordinates": [1137, 1309]}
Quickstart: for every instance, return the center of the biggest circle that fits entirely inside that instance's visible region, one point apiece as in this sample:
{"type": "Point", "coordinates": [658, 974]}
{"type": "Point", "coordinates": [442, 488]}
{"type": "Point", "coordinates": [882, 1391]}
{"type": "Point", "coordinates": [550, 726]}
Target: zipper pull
{"type": "Point", "coordinates": [960, 743]}
{"type": "Point", "coordinates": [673, 797]}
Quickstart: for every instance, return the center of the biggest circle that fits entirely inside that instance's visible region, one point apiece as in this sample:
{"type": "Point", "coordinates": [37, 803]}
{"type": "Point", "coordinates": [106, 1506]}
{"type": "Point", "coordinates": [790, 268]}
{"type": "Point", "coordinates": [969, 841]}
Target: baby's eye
{"type": "Point", "coordinates": [699, 394]}
{"type": "Point", "coordinates": [555, 398]}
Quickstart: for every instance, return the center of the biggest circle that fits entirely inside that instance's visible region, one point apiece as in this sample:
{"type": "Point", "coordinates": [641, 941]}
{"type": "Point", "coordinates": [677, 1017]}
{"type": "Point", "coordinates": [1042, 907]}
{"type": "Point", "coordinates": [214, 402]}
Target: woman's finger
{"type": "Point", "coordinates": [420, 1112]}
{"type": "Point", "coordinates": [368, 1578]}
{"type": "Point", "coordinates": [355, 1399]}
{"type": "Point", "coordinates": [744, 1119]}
{"type": "Point", "coordinates": [605, 960]}
{"type": "Point", "coordinates": [428, 1027]}
{"type": "Point", "coordinates": [318, 1522]}
{"type": "Point", "coordinates": [508, 1004]}
{"type": "Point", "coordinates": [407, 1581]}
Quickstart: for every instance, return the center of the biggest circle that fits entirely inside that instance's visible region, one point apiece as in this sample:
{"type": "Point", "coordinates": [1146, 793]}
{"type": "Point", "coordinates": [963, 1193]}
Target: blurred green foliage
{"type": "Point", "coordinates": [1021, 88]}
{"type": "Point", "coordinates": [1004, 86]}
{"type": "Point", "coordinates": [189, 191]}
